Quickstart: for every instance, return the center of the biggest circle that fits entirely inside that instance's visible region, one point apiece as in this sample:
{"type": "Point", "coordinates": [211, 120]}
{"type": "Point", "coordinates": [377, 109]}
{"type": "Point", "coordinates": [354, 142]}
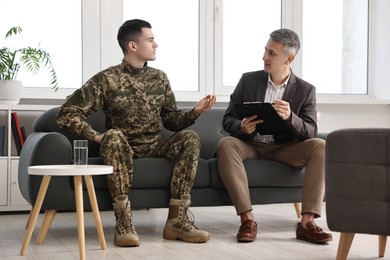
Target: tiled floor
{"type": "Point", "coordinates": [276, 237]}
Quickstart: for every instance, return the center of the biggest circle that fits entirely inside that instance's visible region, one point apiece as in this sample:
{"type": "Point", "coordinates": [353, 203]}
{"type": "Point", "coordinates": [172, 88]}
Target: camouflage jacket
{"type": "Point", "coordinates": [136, 101]}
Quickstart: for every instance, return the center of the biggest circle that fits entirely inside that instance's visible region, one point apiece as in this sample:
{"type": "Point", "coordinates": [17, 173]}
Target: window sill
{"type": "Point", "coordinates": [350, 100]}
{"type": "Point", "coordinates": [49, 96]}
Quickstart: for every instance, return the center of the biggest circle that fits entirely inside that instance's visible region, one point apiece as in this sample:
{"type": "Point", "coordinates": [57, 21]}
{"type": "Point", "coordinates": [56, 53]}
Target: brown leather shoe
{"type": "Point", "coordinates": [247, 231]}
{"type": "Point", "coordinates": [313, 233]}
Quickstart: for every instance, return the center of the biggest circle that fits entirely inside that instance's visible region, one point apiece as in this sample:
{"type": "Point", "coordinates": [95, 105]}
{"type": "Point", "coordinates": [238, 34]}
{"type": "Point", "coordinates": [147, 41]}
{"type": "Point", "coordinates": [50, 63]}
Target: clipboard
{"type": "Point", "coordinates": [273, 123]}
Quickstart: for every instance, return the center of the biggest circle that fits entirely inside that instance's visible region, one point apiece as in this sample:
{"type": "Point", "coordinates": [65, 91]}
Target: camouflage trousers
{"type": "Point", "coordinates": [182, 149]}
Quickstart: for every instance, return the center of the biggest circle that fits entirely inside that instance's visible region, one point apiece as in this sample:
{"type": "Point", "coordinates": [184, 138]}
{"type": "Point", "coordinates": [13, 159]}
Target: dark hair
{"type": "Point", "coordinates": [288, 38]}
{"type": "Point", "coordinates": [130, 31]}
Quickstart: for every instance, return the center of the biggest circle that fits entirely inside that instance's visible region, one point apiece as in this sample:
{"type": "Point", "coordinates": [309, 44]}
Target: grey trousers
{"type": "Point", "coordinates": [309, 153]}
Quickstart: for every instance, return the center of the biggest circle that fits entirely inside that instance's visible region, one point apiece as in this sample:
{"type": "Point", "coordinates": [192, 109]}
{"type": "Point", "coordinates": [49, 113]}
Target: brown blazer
{"type": "Point", "coordinates": [301, 95]}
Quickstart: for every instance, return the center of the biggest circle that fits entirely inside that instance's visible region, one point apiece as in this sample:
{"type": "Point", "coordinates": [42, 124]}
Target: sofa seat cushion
{"type": "Point", "coordinates": [154, 173]}
{"type": "Point", "coordinates": [263, 173]}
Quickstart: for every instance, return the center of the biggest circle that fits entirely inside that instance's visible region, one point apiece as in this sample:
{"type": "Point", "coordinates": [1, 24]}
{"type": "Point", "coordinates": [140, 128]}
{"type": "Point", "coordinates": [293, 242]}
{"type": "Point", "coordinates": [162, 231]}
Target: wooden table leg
{"type": "Point", "coordinates": [29, 217]}
{"type": "Point", "coordinates": [95, 209]}
{"type": "Point", "coordinates": [35, 213]}
{"type": "Point", "coordinates": [80, 214]}
{"type": "Point", "coordinates": [46, 224]}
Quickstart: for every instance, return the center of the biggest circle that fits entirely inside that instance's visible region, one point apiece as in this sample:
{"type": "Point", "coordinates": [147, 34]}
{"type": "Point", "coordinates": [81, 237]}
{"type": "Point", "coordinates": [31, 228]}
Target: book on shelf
{"type": "Point", "coordinates": [2, 139]}
{"type": "Point", "coordinates": [24, 134]}
{"type": "Point", "coordinates": [17, 132]}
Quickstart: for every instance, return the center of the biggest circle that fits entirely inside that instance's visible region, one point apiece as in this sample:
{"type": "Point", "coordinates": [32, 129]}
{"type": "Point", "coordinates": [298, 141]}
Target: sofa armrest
{"type": "Point", "coordinates": [322, 135]}
{"type": "Point", "coordinates": [43, 149]}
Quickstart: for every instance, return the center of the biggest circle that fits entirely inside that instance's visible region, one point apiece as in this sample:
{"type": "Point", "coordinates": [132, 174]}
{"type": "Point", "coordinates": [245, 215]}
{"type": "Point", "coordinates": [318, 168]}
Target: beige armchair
{"type": "Point", "coordinates": [357, 177]}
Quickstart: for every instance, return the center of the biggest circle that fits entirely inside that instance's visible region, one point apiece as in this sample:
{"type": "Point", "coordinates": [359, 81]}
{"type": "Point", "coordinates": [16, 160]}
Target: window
{"type": "Point", "coordinates": [246, 26]}
{"type": "Point", "coordinates": [205, 46]}
{"type": "Point", "coordinates": [335, 45]}
{"type": "Point", "coordinates": [56, 27]}
{"type": "Point", "coordinates": [175, 25]}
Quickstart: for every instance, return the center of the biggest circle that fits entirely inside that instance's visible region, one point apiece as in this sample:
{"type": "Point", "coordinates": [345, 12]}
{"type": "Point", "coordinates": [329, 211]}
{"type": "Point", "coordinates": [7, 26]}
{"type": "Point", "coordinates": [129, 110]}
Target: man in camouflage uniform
{"type": "Point", "coordinates": [137, 100]}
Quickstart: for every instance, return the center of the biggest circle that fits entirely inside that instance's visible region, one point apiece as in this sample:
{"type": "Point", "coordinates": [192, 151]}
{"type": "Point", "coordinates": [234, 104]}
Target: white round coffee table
{"type": "Point", "coordinates": [47, 171]}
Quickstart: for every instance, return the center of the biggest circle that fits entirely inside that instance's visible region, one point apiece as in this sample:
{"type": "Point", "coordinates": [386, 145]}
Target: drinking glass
{"type": "Point", "coordinates": [80, 152]}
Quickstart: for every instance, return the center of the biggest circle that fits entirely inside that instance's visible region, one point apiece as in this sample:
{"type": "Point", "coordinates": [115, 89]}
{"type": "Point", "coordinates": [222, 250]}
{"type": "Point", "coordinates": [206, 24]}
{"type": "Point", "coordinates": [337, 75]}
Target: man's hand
{"type": "Point", "coordinates": [204, 104]}
{"type": "Point", "coordinates": [98, 139]}
{"type": "Point", "coordinates": [282, 108]}
{"type": "Point", "coordinates": [248, 124]}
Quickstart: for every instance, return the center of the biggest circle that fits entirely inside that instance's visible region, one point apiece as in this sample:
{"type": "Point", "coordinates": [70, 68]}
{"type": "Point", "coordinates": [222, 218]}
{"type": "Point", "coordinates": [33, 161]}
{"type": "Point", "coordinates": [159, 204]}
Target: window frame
{"type": "Point", "coordinates": [100, 50]}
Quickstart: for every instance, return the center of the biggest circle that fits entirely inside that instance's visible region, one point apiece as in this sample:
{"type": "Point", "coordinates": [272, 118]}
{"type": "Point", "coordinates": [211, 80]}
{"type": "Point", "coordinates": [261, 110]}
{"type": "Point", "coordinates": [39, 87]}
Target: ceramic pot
{"type": "Point", "coordinates": [11, 91]}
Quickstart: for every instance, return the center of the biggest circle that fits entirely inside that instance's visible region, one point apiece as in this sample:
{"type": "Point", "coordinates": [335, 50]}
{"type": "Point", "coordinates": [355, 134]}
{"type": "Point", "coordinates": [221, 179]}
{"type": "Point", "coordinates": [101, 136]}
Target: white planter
{"type": "Point", "coordinates": [11, 91]}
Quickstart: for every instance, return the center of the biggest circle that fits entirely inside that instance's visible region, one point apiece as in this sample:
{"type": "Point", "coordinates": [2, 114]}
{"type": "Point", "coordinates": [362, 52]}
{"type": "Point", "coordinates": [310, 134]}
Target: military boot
{"type": "Point", "coordinates": [125, 234]}
{"type": "Point", "coordinates": [179, 225]}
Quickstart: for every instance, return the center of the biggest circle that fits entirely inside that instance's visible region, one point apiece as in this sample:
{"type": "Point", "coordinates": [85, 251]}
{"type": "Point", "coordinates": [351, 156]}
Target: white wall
{"type": "Point", "coordinates": [338, 116]}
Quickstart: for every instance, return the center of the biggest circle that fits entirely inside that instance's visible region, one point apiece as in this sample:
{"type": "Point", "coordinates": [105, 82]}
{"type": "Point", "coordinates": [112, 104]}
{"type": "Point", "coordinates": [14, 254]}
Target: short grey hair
{"type": "Point", "coordinates": [288, 38]}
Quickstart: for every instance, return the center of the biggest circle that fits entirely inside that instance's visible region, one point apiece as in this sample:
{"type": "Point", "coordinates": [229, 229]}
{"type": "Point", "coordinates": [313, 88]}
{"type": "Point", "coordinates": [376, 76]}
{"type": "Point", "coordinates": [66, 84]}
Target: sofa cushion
{"type": "Point", "coordinates": [154, 173]}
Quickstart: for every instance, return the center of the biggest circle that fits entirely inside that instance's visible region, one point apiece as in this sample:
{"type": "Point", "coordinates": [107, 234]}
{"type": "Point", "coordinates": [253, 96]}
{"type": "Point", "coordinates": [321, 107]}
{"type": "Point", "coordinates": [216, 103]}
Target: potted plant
{"type": "Point", "coordinates": [32, 59]}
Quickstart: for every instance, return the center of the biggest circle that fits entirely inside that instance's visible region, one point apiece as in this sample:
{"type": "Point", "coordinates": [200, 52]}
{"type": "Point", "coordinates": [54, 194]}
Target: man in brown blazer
{"type": "Point", "coordinates": [295, 103]}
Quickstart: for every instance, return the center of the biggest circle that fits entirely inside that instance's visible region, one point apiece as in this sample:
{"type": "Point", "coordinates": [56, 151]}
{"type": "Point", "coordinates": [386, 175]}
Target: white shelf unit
{"type": "Point", "coordinates": [10, 197]}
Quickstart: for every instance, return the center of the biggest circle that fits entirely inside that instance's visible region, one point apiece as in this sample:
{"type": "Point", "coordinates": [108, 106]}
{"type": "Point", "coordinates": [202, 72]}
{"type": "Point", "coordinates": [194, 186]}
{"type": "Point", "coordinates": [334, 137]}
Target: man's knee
{"type": "Point", "coordinates": [113, 134]}
{"type": "Point", "coordinates": [190, 137]}
{"type": "Point", "coordinates": [318, 143]}
{"type": "Point", "coordinates": [115, 144]}
{"type": "Point", "coordinates": [226, 143]}
{"type": "Point", "coordinates": [191, 134]}
{"type": "Point", "coordinates": [114, 138]}
{"type": "Point", "coordinates": [317, 146]}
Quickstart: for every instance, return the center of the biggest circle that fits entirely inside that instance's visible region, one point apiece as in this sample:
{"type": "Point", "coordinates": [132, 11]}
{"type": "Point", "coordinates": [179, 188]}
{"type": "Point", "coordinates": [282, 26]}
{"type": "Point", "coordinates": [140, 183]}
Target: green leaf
{"type": "Point", "coordinates": [33, 59]}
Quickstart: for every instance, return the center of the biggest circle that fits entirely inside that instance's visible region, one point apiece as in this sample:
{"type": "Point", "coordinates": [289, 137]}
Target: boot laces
{"type": "Point", "coordinates": [189, 219]}
{"type": "Point", "coordinates": [126, 222]}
